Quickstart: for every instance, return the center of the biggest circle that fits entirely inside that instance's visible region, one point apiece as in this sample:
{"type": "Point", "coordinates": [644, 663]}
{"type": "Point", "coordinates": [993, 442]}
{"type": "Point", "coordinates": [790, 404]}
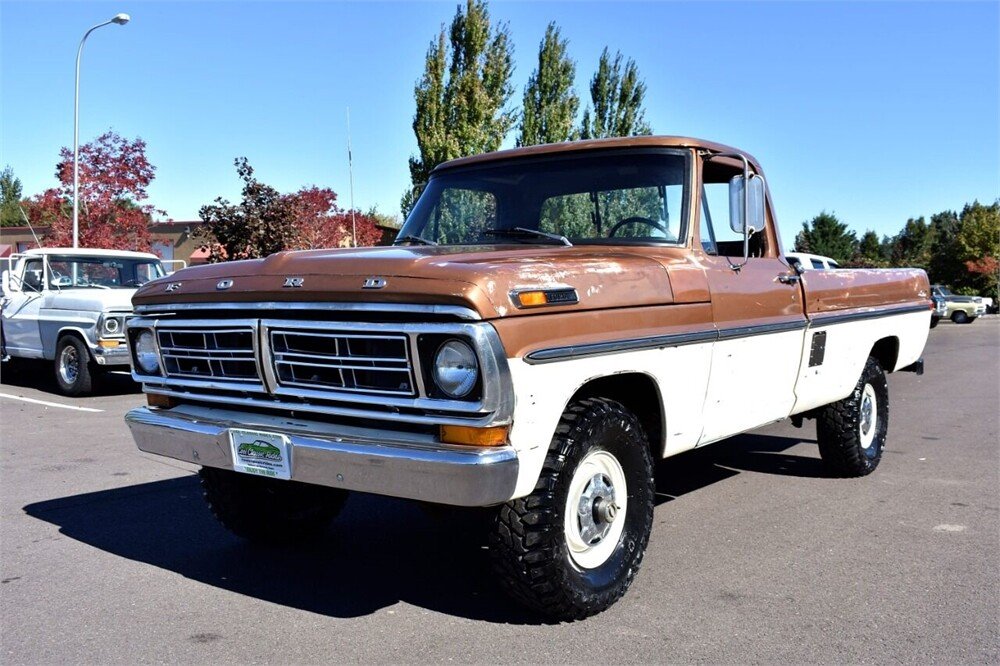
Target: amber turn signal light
{"type": "Point", "coordinates": [109, 344]}
{"type": "Point", "coordinates": [494, 436]}
{"type": "Point", "coordinates": [531, 298]}
{"type": "Point", "coordinates": [156, 400]}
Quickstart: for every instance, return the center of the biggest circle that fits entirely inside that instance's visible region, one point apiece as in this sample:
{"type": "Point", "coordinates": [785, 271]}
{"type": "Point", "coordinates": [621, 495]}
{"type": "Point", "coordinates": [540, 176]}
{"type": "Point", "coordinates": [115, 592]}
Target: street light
{"type": "Point", "coordinates": [120, 19]}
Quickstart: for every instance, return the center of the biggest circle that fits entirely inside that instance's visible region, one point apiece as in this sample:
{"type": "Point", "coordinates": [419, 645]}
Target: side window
{"type": "Point", "coordinates": [31, 280]}
{"type": "Point", "coordinates": [717, 237]}
{"type": "Point", "coordinates": [816, 263]}
{"type": "Point", "coordinates": [461, 215]}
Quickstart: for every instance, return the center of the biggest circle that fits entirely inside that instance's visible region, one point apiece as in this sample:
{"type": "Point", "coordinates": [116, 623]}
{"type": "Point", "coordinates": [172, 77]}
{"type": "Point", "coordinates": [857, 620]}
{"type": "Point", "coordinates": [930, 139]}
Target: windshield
{"type": "Point", "coordinates": [637, 197]}
{"type": "Point", "coordinates": [102, 272]}
{"type": "Point", "coordinates": [943, 291]}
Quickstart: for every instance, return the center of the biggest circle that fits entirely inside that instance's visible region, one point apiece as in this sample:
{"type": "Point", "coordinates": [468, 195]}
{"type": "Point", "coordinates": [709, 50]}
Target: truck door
{"type": "Point", "coordinates": [758, 312]}
{"type": "Point", "coordinates": [21, 311]}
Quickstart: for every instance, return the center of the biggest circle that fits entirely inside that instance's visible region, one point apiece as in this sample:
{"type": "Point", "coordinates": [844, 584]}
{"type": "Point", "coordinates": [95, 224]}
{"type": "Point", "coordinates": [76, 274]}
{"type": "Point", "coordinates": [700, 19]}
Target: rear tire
{"type": "Point", "coordinates": [959, 317]}
{"type": "Point", "coordinates": [935, 321]}
{"type": "Point", "coordinates": [852, 432]}
{"type": "Point", "coordinates": [73, 367]}
{"type": "Point", "coordinates": [269, 510]}
{"type": "Point", "coordinates": [573, 546]}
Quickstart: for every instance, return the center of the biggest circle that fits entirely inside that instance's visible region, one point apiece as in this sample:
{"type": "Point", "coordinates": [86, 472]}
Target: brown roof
{"type": "Point", "coordinates": [597, 144]}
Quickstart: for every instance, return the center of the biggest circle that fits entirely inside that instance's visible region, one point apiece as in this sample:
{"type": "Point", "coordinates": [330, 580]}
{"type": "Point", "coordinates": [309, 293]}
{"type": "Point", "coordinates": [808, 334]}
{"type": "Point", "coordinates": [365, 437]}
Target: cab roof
{"type": "Point", "coordinates": [597, 144]}
{"type": "Point", "coordinates": [86, 252]}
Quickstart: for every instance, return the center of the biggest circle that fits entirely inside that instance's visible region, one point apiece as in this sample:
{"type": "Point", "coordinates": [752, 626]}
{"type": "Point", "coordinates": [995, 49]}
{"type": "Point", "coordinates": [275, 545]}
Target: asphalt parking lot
{"type": "Point", "coordinates": [108, 555]}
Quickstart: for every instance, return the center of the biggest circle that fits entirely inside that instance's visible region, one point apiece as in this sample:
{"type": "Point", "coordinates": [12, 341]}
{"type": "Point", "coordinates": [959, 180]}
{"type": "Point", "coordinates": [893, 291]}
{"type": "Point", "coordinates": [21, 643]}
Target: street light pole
{"type": "Point", "coordinates": [120, 19]}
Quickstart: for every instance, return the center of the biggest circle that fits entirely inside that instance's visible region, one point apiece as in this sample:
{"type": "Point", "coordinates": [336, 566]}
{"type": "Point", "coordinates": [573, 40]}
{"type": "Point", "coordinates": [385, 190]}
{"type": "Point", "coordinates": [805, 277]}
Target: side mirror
{"type": "Point", "coordinates": [5, 282]}
{"type": "Point", "coordinates": [746, 209]}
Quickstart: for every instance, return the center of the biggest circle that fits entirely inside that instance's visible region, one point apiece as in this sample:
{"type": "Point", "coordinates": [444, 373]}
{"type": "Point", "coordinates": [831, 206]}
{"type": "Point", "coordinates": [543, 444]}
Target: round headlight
{"type": "Point", "coordinates": [145, 353]}
{"type": "Point", "coordinates": [111, 325]}
{"type": "Point", "coordinates": [455, 369]}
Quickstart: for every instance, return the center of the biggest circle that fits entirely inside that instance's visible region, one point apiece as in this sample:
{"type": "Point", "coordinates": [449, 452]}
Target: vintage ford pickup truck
{"type": "Point", "coordinates": [68, 306]}
{"type": "Point", "coordinates": [550, 322]}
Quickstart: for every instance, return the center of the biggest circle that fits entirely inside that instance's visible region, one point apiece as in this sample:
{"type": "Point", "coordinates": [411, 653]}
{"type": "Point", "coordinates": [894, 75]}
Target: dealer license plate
{"type": "Point", "coordinates": [261, 453]}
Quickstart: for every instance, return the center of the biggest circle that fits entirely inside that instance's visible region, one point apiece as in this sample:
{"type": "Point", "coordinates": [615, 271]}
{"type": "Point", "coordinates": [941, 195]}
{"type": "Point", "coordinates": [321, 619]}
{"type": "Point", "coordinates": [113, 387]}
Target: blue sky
{"type": "Point", "coordinates": [876, 111]}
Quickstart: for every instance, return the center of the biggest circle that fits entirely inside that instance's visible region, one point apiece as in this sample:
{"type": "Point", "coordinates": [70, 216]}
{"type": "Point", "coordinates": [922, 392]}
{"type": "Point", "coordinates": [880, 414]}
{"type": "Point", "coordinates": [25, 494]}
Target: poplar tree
{"type": "Point", "coordinates": [462, 96]}
{"type": "Point", "coordinates": [550, 101]}
{"type": "Point", "coordinates": [616, 95]}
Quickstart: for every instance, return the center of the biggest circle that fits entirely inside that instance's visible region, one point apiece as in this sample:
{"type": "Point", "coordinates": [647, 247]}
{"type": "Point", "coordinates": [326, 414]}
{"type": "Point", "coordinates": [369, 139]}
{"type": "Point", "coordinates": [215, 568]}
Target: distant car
{"type": "Point", "coordinates": [940, 310]}
{"type": "Point", "coordinates": [805, 261]}
{"type": "Point", "coordinates": [960, 309]}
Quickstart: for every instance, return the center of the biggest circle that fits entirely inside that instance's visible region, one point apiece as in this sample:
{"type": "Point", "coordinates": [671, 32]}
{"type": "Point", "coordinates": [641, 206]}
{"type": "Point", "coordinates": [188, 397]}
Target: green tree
{"type": "Point", "coordinates": [869, 251]}
{"type": "Point", "coordinates": [462, 97]}
{"type": "Point", "coordinates": [911, 247]}
{"type": "Point", "coordinates": [550, 102]}
{"type": "Point", "coordinates": [827, 236]}
{"type": "Point", "coordinates": [616, 96]}
{"type": "Point", "coordinates": [10, 199]}
{"type": "Point", "coordinates": [945, 265]}
{"type": "Point", "coordinates": [978, 239]}
{"type": "Point", "coordinates": [261, 224]}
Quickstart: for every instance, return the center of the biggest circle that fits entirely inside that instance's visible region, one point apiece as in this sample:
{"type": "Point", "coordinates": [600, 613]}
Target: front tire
{"type": "Point", "coordinates": [269, 510]}
{"type": "Point", "coordinates": [573, 546]}
{"type": "Point", "coordinates": [73, 368]}
{"type": "Point", "coordinates": [852, 432]}
{"type": "Point", "coordinates": [959, 317]}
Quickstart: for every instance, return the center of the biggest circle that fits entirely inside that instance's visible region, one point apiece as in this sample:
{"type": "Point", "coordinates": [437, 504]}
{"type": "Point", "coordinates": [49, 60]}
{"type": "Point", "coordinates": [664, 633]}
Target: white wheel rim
{"type": "Point", "coordinates": [868, 419]}
{"type": "Point", "coordinates": [594, 515]}
{"type": "Point", "coordinates": [69, 364]}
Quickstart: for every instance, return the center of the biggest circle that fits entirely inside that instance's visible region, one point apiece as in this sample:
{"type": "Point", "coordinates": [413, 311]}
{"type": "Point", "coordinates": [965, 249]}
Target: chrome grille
{"type": "Point", "coordinates": [343, 361]}
{"type": "Point", "coordinates": [218, 353]}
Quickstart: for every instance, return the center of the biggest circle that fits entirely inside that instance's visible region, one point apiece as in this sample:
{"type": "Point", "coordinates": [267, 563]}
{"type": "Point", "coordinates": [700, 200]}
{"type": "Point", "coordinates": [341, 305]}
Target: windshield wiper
{"type": "Point", "coordinates": [410, 238]}
{"type": "Point", "coordinates": [524, 231]}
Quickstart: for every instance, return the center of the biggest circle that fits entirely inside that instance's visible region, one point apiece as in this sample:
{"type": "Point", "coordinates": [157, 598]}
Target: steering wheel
{"type": "Point", "coordinates": [634, 219]}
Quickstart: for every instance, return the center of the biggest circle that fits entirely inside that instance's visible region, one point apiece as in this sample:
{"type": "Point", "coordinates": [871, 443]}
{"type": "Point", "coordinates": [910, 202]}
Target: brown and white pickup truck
{"type": "Point", "coordinates": [550, 322]}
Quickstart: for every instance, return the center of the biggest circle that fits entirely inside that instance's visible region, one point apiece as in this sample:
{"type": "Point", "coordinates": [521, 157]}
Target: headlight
{"type": "Point", "coordinates": [145, 353]}
{"type": "Point", "coordinates": [455, 369]}
{"type": "Point", "coordinates": [112, 326]}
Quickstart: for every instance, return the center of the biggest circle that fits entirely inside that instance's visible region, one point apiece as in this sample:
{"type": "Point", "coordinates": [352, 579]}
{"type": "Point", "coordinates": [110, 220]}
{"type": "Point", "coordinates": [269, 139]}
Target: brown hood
{"type": "Point", "coordinates": [479, 279]}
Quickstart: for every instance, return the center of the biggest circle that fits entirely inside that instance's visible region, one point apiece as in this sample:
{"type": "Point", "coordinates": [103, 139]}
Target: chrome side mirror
{"type": "Point", "coordinates": [746, 205]}
{"type": "Point", "coordinates": [6, 288]}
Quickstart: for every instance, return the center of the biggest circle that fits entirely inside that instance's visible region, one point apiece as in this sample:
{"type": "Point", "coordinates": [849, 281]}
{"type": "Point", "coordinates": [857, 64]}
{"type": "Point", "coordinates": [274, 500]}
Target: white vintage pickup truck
{"type": "Point", "coordinates": [551, 320]}
{"type": "Point", "coordinates": [69, 306]}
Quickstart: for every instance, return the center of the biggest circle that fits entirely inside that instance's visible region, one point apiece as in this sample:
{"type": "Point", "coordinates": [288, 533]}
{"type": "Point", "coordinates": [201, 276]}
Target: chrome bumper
{"type": "Point", "coordinates": [363, 459]}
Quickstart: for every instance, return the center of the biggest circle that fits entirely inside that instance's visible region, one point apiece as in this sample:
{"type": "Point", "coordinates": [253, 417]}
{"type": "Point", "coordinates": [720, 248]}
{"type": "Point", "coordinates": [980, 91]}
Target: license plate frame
{"type": "Point", "coordinates": [261, 453]}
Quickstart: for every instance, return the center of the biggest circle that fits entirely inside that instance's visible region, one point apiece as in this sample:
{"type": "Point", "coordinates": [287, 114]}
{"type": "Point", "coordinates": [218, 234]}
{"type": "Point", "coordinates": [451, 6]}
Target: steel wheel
{"type": "Point", "coordinates": [595, 509]}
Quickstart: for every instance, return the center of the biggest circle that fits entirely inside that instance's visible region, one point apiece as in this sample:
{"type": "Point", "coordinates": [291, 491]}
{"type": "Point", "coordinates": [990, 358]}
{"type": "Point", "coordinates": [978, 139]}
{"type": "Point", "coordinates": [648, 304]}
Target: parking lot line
{"type": "Point", "coordinates": [50, 404]}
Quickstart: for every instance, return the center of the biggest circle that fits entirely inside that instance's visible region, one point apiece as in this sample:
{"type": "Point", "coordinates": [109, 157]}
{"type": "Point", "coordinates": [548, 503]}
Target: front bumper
{"type": "Point", "coordinates": [110, 355]}
{"type": "Point", "coordinates": [398, 464]}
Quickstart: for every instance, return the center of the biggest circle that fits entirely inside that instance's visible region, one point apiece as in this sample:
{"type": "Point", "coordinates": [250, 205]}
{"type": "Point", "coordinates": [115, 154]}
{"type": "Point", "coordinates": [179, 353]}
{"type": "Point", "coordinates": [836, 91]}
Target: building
{"type": "Point", "coordinates": [171, 240]}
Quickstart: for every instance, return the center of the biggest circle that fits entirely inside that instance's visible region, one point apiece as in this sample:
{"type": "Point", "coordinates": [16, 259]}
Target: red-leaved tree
{"type": "Point", "coordinates": [114, 175]}
{"type": "Point", "coordinates": [320, 222]}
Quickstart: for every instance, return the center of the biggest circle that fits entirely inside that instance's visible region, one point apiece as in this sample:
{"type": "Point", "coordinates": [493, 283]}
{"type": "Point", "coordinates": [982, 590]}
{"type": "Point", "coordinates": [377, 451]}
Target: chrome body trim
{"type": "Point", "coordinates": [361, 459]}
{"type": "Point", "coordinates": [825, 319]}
{"type": "Point", "coordinates": [457, 311]}
{"type": "Point", "coordinates": [709, 335]}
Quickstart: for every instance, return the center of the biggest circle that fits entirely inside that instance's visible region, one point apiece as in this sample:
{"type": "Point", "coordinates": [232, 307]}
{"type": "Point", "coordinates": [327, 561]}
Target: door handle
{"type": "Point", "coordinates": [789, 278]}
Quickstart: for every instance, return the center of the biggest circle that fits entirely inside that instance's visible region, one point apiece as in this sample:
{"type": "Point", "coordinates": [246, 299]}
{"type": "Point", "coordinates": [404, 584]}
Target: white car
{"type": "Point", "coordinates": [69, 306]}
{"type": "Point", "coordinates": [806, 261]}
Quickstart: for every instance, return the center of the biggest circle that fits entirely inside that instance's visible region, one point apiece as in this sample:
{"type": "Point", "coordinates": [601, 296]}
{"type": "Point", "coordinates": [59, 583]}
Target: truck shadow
{"type": "Point", "coordinates": [40, 376]}
{"type": "Point", "coordinates": [380, 551]}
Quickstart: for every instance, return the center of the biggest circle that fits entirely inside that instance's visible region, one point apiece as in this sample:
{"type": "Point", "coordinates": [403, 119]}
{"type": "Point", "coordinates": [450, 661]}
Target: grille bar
{"type": "Point", "coordinates": [209, 353]}
{"type": "Point", "coordinates": [342, 361]}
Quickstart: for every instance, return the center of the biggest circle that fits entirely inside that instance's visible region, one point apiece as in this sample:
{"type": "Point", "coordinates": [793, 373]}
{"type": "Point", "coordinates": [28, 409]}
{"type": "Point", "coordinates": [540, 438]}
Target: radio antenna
{"type": "Point", "coordinates": [30, 228]}
{"type": "Point", "coordinates": [350, 169]}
